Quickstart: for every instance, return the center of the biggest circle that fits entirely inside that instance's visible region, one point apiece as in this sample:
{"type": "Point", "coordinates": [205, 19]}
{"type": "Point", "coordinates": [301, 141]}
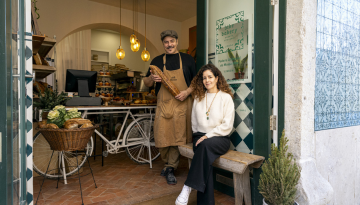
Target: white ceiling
{"type": "Point", "coordinates": [177, 10]}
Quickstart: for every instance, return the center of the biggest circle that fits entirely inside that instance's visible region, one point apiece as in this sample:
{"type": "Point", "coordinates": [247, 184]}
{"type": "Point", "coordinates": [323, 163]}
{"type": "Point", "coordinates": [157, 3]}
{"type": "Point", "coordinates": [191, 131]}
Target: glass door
{"type": "Point", "coordinates": [239, 43]}
{"type": "Point", "coordinates": [12, 103]}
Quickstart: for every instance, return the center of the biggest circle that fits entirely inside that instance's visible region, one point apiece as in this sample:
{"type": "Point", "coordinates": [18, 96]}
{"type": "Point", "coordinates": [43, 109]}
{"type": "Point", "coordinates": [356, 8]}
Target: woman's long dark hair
{"type": "Point", "coordinates": [198, 85]}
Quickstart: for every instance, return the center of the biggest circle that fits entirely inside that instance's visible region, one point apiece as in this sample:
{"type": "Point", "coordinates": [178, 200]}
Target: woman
{"type": "Point", "coordinates": [212, 121]}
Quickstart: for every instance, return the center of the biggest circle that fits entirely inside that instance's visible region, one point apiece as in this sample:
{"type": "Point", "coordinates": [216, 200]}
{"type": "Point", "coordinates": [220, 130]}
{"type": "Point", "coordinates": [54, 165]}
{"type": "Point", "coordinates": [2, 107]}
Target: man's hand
{"type": "Point", "coordinates": [182, 95]}
{"type": "Point", "coordinates": [155, 78]}
{"type": "Point", "coordinates": [200, 140]}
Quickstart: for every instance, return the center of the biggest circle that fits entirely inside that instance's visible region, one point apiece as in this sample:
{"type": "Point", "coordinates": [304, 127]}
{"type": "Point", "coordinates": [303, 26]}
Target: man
{"type": "Point", "coordinates": [172, 126]}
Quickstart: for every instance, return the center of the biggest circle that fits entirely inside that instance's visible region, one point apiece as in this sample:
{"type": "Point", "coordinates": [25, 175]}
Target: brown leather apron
{"type": "Point", "coordinates": [172, 125]}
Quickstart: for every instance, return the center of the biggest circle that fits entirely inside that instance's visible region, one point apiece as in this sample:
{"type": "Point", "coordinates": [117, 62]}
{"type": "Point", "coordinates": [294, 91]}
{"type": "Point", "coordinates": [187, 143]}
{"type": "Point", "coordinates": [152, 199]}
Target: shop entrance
{"type": "Point", "coordinates": [239, 38]}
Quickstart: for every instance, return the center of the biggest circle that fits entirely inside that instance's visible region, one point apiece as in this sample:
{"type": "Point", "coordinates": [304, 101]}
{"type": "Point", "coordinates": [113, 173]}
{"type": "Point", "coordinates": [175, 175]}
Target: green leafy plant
{"type": "Point", "coordinates": [280, 175]}
{"type": "Point", "coordinates": [59, 115]}
{"type": "Point", "coordinates": [50, 99]}
{"type": "Point", "coordinates": [239, 64]}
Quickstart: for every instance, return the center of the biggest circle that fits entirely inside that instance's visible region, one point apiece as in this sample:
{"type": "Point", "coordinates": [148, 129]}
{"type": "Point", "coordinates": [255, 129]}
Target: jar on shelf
{"type": "Point", "coordinates": [97, 94]}
{"type": "Point", "coordinates": [102, 93]}
{"type": "Point", "coordinates": [111, 93]}
{"type": "Point", "coordinates": [101, 73]}
{"type": "Point", "coordinates": [101, 83]}
{"type": "Point", "coordinates": [107, 73]}
{"type": "Point", "coordinates": [107, 83]}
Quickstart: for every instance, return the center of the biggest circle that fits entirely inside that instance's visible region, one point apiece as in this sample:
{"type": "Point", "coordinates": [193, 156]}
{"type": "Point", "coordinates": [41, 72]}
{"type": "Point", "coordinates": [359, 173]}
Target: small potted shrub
{"type": "Point", "coordinates": [280, 176]}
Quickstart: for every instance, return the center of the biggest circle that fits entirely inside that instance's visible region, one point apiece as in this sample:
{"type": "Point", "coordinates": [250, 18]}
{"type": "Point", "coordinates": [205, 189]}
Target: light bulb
{"type": "Point", "coordinates": [120, 53]}
{"type": "Point", "coordinates": [135, 46]}
{"type": "Point", "coordinates": [132, 38]}
{"type": "Point", "coordinates": [145, 55]}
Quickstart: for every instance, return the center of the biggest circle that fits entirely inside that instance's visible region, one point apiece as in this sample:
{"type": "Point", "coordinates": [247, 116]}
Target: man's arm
{"type": "Point", "coordinates": [149, 81]}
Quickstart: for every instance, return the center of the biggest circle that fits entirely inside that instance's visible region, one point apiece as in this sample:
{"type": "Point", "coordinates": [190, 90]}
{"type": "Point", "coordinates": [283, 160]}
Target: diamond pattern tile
{"type": "Point", "coordinates": [337, 93]}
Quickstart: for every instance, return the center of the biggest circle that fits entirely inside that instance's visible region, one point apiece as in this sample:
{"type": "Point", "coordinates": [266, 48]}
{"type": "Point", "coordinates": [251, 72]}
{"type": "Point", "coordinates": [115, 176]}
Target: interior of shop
{"type": "Point", "coordinates": [92, 40]}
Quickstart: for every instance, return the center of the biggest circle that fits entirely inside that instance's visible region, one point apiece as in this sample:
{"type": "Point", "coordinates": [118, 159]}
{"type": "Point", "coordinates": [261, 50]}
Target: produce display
{"type": "Point", "coordinates": [165, 80]}
{"type": "Point", "coordinates": [60, 118]}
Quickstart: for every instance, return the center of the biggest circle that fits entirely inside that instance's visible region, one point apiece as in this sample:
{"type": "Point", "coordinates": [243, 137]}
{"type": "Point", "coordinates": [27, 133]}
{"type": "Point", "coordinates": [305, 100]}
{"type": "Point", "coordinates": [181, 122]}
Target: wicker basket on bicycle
{"type": "Point", "coordinates": [68, 139]}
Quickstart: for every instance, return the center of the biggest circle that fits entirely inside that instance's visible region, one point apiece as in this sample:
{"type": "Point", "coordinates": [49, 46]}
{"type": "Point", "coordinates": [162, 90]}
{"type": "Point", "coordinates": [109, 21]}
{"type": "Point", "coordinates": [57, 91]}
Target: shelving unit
{"type": "Point", "coordinates": [103, 57]}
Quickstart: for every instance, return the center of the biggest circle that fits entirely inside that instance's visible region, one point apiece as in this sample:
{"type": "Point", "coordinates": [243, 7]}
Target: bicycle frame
{"type": "Point", "coordinates": [120, 143]}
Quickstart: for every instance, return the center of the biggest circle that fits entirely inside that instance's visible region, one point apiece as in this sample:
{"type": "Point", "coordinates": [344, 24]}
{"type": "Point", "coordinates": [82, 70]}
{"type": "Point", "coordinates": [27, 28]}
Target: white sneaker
{"type": "Point", "coordinates": [183, 198]}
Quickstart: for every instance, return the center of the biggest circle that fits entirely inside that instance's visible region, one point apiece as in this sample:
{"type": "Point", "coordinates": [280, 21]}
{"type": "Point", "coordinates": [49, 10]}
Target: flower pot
{"type": "Point", "coordinates": [237, 76]}
{"type": "Point", "coordinates": [264, 203]}
{"type": "Point", "coordinates": [242, 74]}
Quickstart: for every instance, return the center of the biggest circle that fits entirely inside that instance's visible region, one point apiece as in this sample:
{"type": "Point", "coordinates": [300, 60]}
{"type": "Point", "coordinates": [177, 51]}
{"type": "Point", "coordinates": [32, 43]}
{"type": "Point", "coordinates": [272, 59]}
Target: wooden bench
{"type": "Point", "coordinates": [236, 162]}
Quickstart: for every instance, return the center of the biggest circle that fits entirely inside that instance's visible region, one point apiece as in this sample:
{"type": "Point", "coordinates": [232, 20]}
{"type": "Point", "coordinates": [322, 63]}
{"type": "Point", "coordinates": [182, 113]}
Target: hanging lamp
{"type": "Point", "coordinates": [145, 55]}
{"type": "Point", "coordinates": [120, 53]}
{"type": "Point", "coordinates": [133, 37]}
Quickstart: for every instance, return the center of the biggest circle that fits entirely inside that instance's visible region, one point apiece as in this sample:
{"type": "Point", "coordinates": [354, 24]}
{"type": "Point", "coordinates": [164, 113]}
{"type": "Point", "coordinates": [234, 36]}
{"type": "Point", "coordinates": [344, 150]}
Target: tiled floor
{"type": "Point", "coordinates": [119, 181]}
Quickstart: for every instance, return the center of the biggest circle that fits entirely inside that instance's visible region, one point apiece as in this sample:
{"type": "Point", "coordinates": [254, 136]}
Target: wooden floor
{"type": "Point", "coordinates": [119, 181]}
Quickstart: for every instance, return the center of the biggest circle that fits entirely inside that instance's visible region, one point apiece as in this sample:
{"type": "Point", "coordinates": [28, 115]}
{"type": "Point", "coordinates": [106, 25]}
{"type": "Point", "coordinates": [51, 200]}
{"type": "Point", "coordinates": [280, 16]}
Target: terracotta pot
{"type": "Point", "coordinates": [237, 76]}
{"type": "Point", "coordinates": [242, 74]}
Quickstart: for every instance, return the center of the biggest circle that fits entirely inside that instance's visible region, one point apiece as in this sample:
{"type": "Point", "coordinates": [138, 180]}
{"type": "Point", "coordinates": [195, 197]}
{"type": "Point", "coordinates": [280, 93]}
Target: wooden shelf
{"type": "Point", "coordinates": [42, 71]}
{"type": "Point", "coordinates": [98, 86]}
{"type": "Point", "coordinates": [104, 75]}
{"type": "Point", "coordinates": [99, 61]}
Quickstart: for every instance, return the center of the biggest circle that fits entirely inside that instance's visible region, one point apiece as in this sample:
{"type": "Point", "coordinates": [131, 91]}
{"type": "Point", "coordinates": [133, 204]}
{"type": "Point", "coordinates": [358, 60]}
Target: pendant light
{"type": "Point", "coordinates": [133, 37]}
{"type": "Point", "coordinates": [120, 53]}
{"type": "Point", "coordinates": [145, 55]}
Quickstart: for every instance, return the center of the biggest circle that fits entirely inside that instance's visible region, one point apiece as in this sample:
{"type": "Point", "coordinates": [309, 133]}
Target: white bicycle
{"type": "Point", "coordinates": [137, 142]}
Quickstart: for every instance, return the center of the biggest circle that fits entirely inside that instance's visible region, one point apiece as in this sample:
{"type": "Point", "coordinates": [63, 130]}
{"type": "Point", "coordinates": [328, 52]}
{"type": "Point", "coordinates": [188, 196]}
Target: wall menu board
{"type": "Point", "coordinates": [232, 48]}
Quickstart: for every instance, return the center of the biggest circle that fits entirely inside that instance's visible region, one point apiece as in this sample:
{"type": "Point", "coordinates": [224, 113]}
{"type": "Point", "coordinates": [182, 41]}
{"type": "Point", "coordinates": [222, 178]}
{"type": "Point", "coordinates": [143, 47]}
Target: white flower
{"type": "Point", "coordinates": [73, 110]}
{"type": "Point", "coordinates": [53, 114]}
{"type": "Point", "coordinates": [58, 107]}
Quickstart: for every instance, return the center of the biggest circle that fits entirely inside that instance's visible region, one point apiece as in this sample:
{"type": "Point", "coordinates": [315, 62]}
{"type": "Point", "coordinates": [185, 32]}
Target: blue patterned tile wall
{"type": "Point", "coordinates": [337, 86]}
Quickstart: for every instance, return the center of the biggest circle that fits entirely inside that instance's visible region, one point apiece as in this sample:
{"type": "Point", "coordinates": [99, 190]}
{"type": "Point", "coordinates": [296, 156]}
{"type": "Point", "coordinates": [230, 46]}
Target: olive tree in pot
{"type": "Point", "coordinates": [280, 176]}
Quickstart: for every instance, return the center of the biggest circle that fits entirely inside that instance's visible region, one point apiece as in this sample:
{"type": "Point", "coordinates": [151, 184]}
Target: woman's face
{"type": "Point", "coordinates": [210, 81]}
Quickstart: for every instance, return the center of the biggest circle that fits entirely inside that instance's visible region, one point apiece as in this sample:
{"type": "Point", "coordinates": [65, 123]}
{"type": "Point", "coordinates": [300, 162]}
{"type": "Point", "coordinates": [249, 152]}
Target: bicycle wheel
{"type": "Point", "coordinates": [42, 154]}
{"type": "Point", "coordinates": [133, 134]}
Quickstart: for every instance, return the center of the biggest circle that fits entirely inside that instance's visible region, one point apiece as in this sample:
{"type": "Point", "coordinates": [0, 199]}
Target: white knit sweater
{"type": "Point", "coordinates": [221, 118]}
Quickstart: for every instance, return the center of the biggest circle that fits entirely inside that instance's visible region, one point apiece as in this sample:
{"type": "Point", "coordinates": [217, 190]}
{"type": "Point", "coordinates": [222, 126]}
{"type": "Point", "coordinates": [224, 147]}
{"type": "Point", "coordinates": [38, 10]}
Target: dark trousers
{"type": "Point", "coordinates": [200, 176]}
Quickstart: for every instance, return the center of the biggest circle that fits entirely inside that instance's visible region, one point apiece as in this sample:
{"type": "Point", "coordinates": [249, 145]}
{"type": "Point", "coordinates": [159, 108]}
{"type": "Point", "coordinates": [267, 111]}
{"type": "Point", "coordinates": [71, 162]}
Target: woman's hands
{"type": "Point", "coordinates": [200, 140]}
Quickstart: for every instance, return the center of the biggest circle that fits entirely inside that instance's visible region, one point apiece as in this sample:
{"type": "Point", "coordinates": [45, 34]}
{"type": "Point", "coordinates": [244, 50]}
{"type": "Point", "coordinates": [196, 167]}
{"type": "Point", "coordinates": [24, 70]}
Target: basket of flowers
{"type": "Point", "coordinates": [66, 130]}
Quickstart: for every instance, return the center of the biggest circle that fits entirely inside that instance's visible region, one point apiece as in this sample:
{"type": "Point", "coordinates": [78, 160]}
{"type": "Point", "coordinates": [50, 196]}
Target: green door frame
{"type": "Point", "coordinates": [262, 74]}
{"type": "Point", "coordinates": [6, 168]}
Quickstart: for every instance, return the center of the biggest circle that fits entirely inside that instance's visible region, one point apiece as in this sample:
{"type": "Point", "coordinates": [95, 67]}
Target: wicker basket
{"type": "Point", "coordinates": [68, 139]}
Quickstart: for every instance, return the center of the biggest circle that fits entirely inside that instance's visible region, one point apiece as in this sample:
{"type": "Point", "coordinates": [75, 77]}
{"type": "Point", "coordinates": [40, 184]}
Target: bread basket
{"type": "Point", "coordinates": [68, 139]}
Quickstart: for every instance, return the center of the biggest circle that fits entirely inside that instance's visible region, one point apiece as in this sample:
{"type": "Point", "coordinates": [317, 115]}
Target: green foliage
{"type": "Point", "coordinates": [280, 175]}
{"type": "Point", "coordinates": [59, 115]}
{"type": "Point", "coordinates": [239, 64]}
{"type": "Point", "coordinates": [50, 99]}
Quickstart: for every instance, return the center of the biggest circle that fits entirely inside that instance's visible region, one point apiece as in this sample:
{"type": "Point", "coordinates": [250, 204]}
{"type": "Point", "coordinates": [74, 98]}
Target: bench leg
{"type": "Point", "coordinates": [242, 188]}
{"type": "Point", "coordinates": [189, 161]}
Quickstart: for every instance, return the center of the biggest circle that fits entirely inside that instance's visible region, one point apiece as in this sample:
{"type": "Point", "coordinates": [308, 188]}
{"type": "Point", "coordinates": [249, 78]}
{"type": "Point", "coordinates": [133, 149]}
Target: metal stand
{"type": "Point", "coordinates": [57, 185]}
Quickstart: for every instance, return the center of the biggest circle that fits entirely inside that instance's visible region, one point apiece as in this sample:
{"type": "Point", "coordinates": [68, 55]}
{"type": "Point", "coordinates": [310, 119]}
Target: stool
{"type": "Point", "coordinates": [77, 164]}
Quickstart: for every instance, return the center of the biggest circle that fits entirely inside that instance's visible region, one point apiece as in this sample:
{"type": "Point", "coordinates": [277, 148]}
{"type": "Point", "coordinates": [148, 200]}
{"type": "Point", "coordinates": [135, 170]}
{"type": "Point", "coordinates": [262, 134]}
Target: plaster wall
{"type": "Point", "coordinates": [108, 41]}
{"type": "Point", "coordinates": [185, 25]}
{"type": "Point", "coordinates": [299, 99]}
{"type": "Point", "coordinates": [63, 17]}
{"type": "Point", "coordinates": [338, 161]}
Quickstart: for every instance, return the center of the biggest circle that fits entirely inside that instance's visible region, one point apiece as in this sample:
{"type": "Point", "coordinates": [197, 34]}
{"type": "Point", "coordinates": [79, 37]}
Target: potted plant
{"type": "Point", "coordinates": [280, 176]}
{"type": "Point", "coordinates": [239, 64]}
{"type": "Point", "coordinates": [48, 100]}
